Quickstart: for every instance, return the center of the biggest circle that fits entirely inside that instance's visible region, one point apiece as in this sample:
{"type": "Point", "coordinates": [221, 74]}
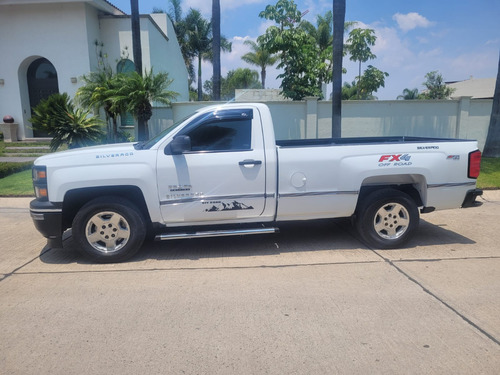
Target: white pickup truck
{"type": "Point", "coordinates": [221, 172]}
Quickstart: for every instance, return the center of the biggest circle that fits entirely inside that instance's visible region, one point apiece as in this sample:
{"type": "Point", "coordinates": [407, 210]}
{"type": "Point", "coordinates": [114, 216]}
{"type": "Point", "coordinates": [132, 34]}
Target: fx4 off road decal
{"type": "Point", "coordinates": [225, 206]}
{"type": "Point", "coordinates": [397, 160]}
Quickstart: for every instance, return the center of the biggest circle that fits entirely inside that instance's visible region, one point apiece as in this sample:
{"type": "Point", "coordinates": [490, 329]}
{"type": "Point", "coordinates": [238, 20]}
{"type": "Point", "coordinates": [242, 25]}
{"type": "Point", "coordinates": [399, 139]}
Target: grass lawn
{"type": "Point", "coordinates": [19, 184]}
{"type": "Point", "coordinates": [489, 178]}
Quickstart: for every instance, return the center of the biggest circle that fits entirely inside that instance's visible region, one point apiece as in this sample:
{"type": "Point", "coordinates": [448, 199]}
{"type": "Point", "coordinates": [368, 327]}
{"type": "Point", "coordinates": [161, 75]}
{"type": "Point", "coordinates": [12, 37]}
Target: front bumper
{"type": "Point", "coordinates": [470, 198]}
{"type": "Point", "coordinates": [47, 217]}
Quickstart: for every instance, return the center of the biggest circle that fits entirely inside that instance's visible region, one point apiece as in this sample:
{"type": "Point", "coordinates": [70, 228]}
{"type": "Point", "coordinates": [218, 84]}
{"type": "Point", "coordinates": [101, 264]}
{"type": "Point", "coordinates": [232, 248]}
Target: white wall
{"type": "Point", "coordinates": [170, 58]}
{"type": "Point", "coordinates": [157, 52]}
{"type": "Point", "coordinates": [463, 118]}
{"type": "Point", "coordinates": [32, 31]}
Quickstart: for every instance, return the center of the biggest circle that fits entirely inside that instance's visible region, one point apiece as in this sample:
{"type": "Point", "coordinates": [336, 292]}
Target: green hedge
{"type": "Point", "coordinates": [7, 169]}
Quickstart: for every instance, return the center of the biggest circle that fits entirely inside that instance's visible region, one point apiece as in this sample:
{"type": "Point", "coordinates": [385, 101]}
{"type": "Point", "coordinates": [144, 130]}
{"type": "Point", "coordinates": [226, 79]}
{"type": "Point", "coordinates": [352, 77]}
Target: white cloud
{"type": "Point", "coordinates": [410, 21]}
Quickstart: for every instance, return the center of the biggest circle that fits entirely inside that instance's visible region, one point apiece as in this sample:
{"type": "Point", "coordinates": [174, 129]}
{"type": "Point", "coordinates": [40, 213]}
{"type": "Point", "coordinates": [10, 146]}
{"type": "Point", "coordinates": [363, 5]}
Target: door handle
{"type": "Point", "coordinates": [250, 162]}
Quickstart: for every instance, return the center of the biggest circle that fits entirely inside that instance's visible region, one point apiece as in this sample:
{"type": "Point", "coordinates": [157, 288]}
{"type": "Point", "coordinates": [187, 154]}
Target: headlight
{"type": "Point", "coordinates": [40, 182]}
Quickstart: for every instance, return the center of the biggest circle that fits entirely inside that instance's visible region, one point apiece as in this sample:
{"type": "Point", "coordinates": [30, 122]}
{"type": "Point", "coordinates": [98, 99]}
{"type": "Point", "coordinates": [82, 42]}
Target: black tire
{"type": "Point", "coordinates": [387, 219]}
{"type": "Point", "coordinates": [109, 229]}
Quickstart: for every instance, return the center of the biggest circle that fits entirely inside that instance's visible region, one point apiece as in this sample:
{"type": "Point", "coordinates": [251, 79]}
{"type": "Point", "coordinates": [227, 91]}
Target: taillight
{"type": "Point", "coordinates": [474, 164]}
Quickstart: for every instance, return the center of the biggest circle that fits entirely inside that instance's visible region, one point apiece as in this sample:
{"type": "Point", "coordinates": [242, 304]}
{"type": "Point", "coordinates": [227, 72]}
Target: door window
{"type": "Point", "coordinates": [222, 135]}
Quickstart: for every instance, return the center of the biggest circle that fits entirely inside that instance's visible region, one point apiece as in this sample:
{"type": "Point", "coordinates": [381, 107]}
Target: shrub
{"type": "Point", "coordinates": [66, 124]}
{"type": "Point", "coordinates": [7, 169]}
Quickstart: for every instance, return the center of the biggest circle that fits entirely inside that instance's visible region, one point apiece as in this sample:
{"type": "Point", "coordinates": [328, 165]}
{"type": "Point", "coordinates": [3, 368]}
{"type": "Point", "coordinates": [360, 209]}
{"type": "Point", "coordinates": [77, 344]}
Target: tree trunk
{"type": "Point", "coordinates": [136, 35]}
{"type": "Point", "coordinates": [142, 129]}
{"type": "Point", "coordinates": [492, 145]}
{"type": "Point", "coordinates": [216, 49]}
{"type": "Point", "coordinates": [200, 88]}
{"type": "Point", "coordinates": [359, 79]}
{"type": "Point", "coordinates": [263, 77]}
{"type": "Point", "coordinates": [338, 46]}
{"type": "Point", "coordinates": [137, 52]}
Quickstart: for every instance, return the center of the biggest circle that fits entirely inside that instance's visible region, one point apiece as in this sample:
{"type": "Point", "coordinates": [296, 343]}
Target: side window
{"type": "Point", "coordinates": [222, 135]}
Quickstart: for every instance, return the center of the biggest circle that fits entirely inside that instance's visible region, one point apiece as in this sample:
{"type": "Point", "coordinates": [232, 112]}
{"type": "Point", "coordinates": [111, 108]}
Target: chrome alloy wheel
{"type": "Point", "coordinates": [107, 232]}
{"type": "Point", "coordinates": [391, 221]}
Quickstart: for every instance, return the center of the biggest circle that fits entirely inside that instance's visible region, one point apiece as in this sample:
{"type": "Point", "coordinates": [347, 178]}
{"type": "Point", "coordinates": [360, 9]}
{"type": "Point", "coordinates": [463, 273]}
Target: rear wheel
{"type": "Point", "coordinates": [387, 219]}
{"type": "Point", "coordinates": [109, 229]}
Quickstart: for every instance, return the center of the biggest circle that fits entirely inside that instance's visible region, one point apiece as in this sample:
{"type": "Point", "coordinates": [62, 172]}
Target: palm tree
{"type": "Point", "coordinates": [359, 43]}
{"type": "Point", "coordinates": [199, 37]}
{"type": "Point", "coordinates": [135, 93]}
{"type": "Point", "coordinates": [338, 53]}
{"type": "Point", "coordinates": [66, 124]}
{"type": "Point", "coordinates": [95, 94]}
{"type": "Point", "coordinates": [80, 129]}
{"type": "Point", "coordinates": [180, 27]}
{"type": "Point", "coordinates": [260, 57]}
{"type": "Point", "coordinates": [409, 94]}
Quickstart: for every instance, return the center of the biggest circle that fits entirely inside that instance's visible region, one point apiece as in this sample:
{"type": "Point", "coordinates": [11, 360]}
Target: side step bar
{"type": "Point", "coordinates": [215, 233]}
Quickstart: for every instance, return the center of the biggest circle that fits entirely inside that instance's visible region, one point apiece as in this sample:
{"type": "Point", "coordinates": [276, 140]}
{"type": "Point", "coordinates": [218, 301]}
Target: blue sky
{"type": "Point", "coordinates": [459, 38]}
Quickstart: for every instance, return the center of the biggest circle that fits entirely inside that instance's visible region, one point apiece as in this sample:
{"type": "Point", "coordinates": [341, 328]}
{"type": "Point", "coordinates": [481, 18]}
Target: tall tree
{"type": "Point", "coordinates": [338, 53]}
{"type": "Point", "coordinates": [492, 146]}
{"type": "Point", "coordinates": [260, 57]}
{"type": "Point", "coordinates": [436, 88]}
{"type": "Point", "coordinates": [199, 38]}
{"type": "Point", "coordinates": [180, 27]}
{"type": "Point", "coordinates": [299, 57]}
{"type": "Point", "coordinates": [359, 43]}
{"type": "Point", "coordinates": [216, 48]}
{"type": "Point", "coordinates": [371, 80]}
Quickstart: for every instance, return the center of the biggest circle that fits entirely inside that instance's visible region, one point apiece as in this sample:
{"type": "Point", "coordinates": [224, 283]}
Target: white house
{"type": "Point", "coordinates": [48, 45]}
{"type": "Point", "coordinates": [476, 88]}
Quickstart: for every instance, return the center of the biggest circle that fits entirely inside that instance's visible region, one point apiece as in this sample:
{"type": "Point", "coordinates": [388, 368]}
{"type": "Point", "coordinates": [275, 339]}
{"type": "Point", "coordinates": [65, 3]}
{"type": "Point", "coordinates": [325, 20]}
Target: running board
{"type": "Point", "coordinates": [215, 233]}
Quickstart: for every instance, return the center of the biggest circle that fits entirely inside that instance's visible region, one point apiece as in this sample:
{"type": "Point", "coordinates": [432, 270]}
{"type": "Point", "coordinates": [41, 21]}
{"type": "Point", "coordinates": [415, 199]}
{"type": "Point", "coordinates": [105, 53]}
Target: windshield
{"type": "Point", "coordinates": [148, 144]}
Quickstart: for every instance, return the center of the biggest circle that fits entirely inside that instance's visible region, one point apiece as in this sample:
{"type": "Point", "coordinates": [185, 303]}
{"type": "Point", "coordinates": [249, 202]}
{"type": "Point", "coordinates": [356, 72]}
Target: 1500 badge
{"type": "Point", "coordinates": [398, 160]}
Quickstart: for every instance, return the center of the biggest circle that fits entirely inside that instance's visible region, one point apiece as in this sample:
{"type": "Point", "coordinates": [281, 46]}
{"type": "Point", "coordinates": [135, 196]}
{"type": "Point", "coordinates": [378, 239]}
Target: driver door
{"type": "Point", "coordinates": [219, 176]}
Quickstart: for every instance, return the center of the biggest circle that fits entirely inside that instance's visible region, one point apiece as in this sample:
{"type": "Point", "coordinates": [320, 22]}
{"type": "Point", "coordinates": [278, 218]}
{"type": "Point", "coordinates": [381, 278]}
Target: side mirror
{"type": "Point", "coordinates": [180, 145]}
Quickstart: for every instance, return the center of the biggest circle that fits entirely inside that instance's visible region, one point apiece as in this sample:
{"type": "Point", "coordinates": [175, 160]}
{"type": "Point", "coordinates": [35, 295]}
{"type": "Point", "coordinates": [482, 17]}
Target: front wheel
{"type": "Point", "coordinates": [387, 219]}
{"type": "Point", "coordinates": [109, 229]}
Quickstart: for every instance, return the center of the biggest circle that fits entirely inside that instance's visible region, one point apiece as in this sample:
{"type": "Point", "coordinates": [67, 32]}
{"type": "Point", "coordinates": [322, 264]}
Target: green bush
{"type": "Point", "coordinates": [7, 169]}
{"type": "Point", "coordinates": [66, 124]}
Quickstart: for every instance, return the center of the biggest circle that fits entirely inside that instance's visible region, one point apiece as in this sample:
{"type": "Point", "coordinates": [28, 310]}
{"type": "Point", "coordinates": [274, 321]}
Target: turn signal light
{"type": "Point", "coordinates": [474, 164]}
{"type": "Point", "coordinates": [41, 193]}
{"type": "Point", "coordinates": [40, 183]}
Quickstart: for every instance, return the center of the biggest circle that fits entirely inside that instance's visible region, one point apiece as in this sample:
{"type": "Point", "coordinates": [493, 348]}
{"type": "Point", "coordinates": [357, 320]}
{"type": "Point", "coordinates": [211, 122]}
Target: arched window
{"type": "Point", "coordinates": [125, 66]}
{"type": "Point", "coordinates": [42, 82]}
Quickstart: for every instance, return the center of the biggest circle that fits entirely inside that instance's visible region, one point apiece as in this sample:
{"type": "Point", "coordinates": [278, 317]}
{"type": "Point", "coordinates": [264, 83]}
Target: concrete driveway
{"type": "Point", "coordinates": [310, 300]}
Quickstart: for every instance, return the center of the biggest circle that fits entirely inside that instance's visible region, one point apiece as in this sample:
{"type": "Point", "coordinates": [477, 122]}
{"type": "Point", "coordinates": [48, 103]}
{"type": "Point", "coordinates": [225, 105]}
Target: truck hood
{"type": "Point", "coordinates": [80, 155]}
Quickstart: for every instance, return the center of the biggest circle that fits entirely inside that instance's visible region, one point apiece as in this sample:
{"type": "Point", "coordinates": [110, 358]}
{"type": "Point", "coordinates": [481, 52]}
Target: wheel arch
{"type": "Point", "coordinates": [75, 199]}
{"type": "Point", "coordinates": [414, 185]}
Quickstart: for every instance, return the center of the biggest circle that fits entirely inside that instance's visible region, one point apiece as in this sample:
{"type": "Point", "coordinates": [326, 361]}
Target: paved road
{"type": "Point", "coordinates": [310, 300]}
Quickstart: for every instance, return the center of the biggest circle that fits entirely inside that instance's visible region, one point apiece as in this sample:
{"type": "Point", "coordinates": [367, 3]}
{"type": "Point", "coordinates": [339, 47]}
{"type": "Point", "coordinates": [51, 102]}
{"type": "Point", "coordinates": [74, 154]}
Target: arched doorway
{"type": "Point", "coordinates": [42, 82]}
